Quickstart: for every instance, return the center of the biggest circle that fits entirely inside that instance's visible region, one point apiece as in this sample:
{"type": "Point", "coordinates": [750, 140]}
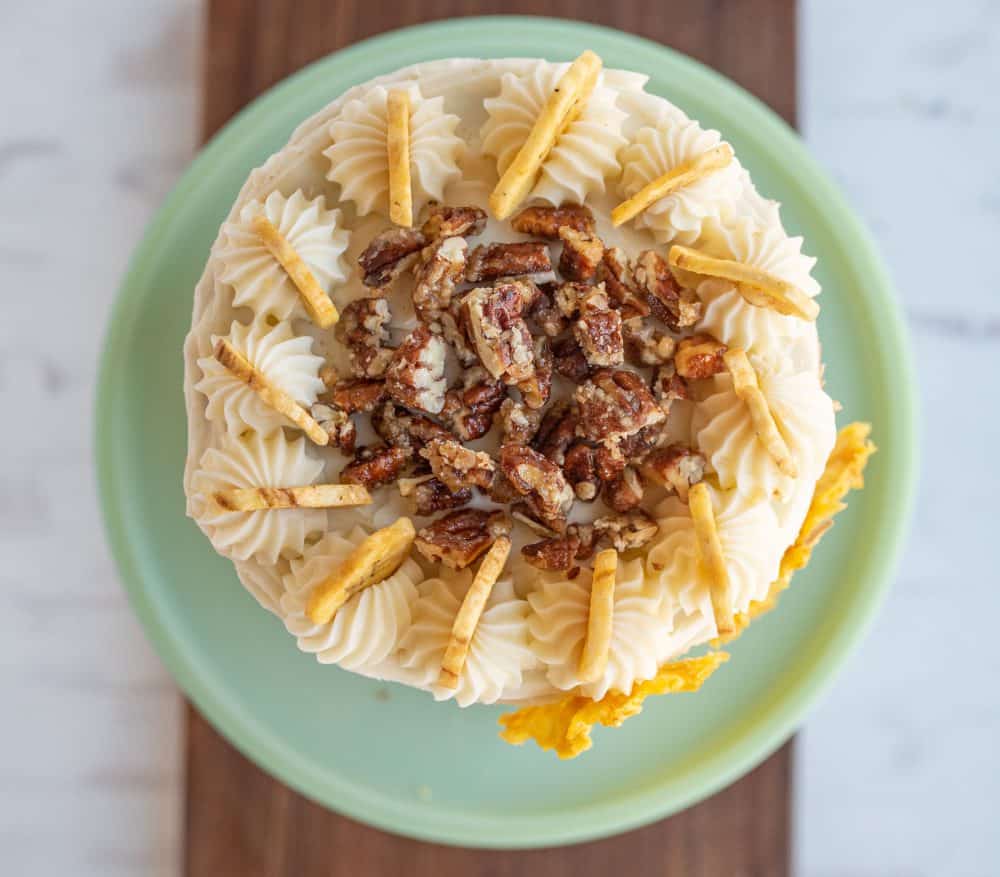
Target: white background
{"type": "Point", "coordinates": [897, 769]}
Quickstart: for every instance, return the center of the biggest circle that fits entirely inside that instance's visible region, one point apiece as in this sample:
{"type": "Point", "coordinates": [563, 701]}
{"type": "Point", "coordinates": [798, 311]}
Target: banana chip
{"type": "Point", "coordinates": [464, 626]}
{"type": "Point", "coordinates": [686, 173]}
{"type": "Point", "coordinates": [398, 147]}
{"type": "Point", "coordinates": [563, 105]}
{"type": "Point", "coordinates": [321, 309]}
{"type": "Point", "coordinates": [747, 389]}
{"type": "Point", "coordinates": [313, 496]}
{"type": "Point", "coordinates": [242, 369]}
{"type": "Point", "coordinates": [597, 644]}
{"type": "Point", "coordinates": [712, 560]}
{"type": "Point", "coordinates": [373, 561]}
{"type": "Point", "coordinates": [758, 287]}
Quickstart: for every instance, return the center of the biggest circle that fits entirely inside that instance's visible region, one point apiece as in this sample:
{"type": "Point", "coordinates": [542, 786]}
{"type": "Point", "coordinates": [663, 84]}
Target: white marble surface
{"type": "Point", "coordinates": [897, 768]}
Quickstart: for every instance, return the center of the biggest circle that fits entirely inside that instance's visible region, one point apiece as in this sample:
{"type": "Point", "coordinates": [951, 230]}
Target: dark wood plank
{"type": "Point", "coordinates": [240, 821]}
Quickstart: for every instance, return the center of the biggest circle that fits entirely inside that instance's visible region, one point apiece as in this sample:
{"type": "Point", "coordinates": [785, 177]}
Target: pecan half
{"type": "Point", "coordinates": [618, 278]}
{"type": "Point", "coordinates": [458, 466]}
{"type": "Point", "coordinates": [540, 482]}
{"type": "Point", "coordinates": [615, 403]}
{"type": "Point", "coordinates": [389, 254]}
{"type": "Point", "coordinates": [580, 469]}
{"type": "Point", "coordinates": [545, 222]}
{"type": "Point", "coordinates": [458, 538]}
{"type": "Point", "coordinates": [415, 377]}
{"type": "Point", "coordinates": [675, 468]}
{"type": "Point", "coordinates": [363, 328]}
{"type": "Point", "coordinates": [581, 254]}
{"type": "Point", "coordinates": [439, 271]}
{"type": "Point", "coordinates": [626, 532]}
{"type": "Point", "coordinates": [445, 222]}
{"type": "Point", "coordinates": [354, 396]}
{"type": "Point", "coordinates": [569, 361]}
{"type": "Point", "coordinates": [645, 344]}
{"type": "Point", "coordinates": [470, 409]}
{"type": "Point", "coordinates": [433, 496]}
{"type": "Point", "coordinates": [493, 261]}
{"type": "Point", "coordinates": [401, 429]}
{"type": "Point", "coordinates": [598, 331]}
{"type": "Point", "coordinates": [498, 332]}
{"type": "Point", "coordinates": [699, 357]}
{"type": "Point", "coordinates": [375, 466]}
{"type": "Point", "coordinates": [624, 492]}
{"type": "Point", "coordinates": [518, 422]}
{"type": "Point", "coordinates": [338, 425]}
{"type": "Point", "coordinates": [677, 307]}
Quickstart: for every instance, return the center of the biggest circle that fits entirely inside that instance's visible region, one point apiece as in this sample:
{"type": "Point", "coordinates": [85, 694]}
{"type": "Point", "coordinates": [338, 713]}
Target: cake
{"type": "Point", "coordinates": [503, 382]}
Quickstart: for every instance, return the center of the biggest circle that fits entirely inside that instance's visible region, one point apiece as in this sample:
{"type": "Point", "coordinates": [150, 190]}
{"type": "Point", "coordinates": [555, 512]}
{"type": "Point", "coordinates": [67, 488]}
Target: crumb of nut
{"type": "Point", "coordinates": [415, 377]}
{"type": "Point", "coordinates": [569, 361]}
{"type": "Point", "coordinates": [535, 390]}
{"type": "Point", "coordinates": [338, 425]}
{"type": "Point", "coordinates": [598, 331]}
{"type": "Point", "coordinates": [470, 408]}
{"type": "Point", "coordinates": [438, 272]}
{"type": "Point", "coordinates": [389, 254]}
{"type": "Point", "coordinates": [624, 492]}
{"type": "Point", "coordinates": [581, 254]}
{"type": "Point", "coordinates": [699, 357]}
{"type": "Point", "coordinates": [567, 297]}
{"type": "Point", "coordinates": [458, 466]}
{"type": "Point", "coordinates": [556, 432]}
{"type": "Point", "coordinates": [402, 429]}
{"type": "Point", "coordinates": [546, 315]}
{"type": "Point", "coordinates": [494, 261]}
{"type": "Point", "coordinates": [444, 222]}
{"type": "Point", "coordinates": [668, 386]}
{"type": "Point", "coordinates": [676, 468]}
{"type": "Point", "coordinates": [363, 328]}
{"type": "Point", "coordinates": [375, 466]}
{"type": "Point", "coordinates": [433, 495]}
{"type": "Point", "coordinates": [675, 306]}
{"type": "Point", "coordinates": [645, 344]}
{"type": "Point", "coordinates": [626, 532]}
{"type": "Point", "coordinates": [458, 538]}
{"type": "Point", "coordinates": [498, 332]}
{"type": "Point", "coordinates": [580, 470]}
{"type": "Point", "coordinates": [545, 222]}
{"type": "Point", "coordinates": [356, 395]}
{"type": "Point", "coordinates": [518, 422]}
{"type": "Point", "coordinates": [615, 403]}
{"type": "Point", "coordinates": [616, 273]}
{"type": "Point", "coordinates": [540, 482]}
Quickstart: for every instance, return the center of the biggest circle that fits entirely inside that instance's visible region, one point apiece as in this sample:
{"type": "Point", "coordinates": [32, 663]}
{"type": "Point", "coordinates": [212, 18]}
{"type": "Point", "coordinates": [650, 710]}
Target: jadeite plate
{"type": "Point", "coordinates": [389, 755]}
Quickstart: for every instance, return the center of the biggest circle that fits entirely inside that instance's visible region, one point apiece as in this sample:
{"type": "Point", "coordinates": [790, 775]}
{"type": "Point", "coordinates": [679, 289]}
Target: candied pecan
{"type": "Point", "coordinates": [636, 446]}
{"type": "Point", "coordinates": [375, 466]}
{"type": "Point", "coordinates": [546, 315]}
{"type": "Point", "coordinates": [668, 385]}
{"type": "Point", "coordinates": [610, 459]}
{"type": "Point", "coordinates": [458, 466]}
{"type": "Point", "coordinates": [415, 377]}
{"type": "Point", "coordinates": [581, 254]}
{"type": "Point", "coordinates": [364, 331]}
{"type": "Point", "coordinates": [567, 297]}
{"type": "Point", "coordinates": [545, 222]}
{"type": "Point", "coordinates": [677, 307]}
{"type": "Point", "coordinates": [357, 395]}
{"type": "Point", "coordinates": [557, 553]}
{"type": "Point", "coordinates": [540, 482]}
{"type": "Point", "coordinates": [616, 274]}
{"type": "Point", "coordinates": [493, 261]}
{"type": "Point", "coordinates": [498, 332]}
{"type": "Point", "coordinates": [623, 493]}
{"type": "Point", "coordinates": [518, 422]}
{"type": "Point", "coordinates": [401, 429]}
{"type": "Point", "coordinates": [598, 331]}
{"type": "Point", "coordinates": [470, 409]}
{"type": "Point", "coordinates": [445, 222]}
{"type": "Point", "coordinates": [433, 496]}
{"type": "Point", "coordinates": [626, 532]}
{"type": "Point", "coordinates": [580, 470]}
{"type": "Point", "coordinates": [569, 361]}
{"type": "Point", "coordinates": [454, 331]}
{"type": "Point", "coordinates": [438, 272]}
{"type": "Point", "coordinates": [337, 424]}
{"type": "Point", "coordinates": [645, 344]}
{"type": "Point", "coordinates": [675, 468]}
{"type": "Point", "coordinates": [699, 357]}
{"type": "Point", "coordinates": [389, 254]}
{"type": "Point", "coordinates": [459, 537]}
{"type": "Point", "coordinates": [501, 491]}
{"type": "Point", "coordinates": [556, 432]}
{"type": "Point", "coordinates": [536, 389]}
{"type": "Point", "coordinates": [615, 403]}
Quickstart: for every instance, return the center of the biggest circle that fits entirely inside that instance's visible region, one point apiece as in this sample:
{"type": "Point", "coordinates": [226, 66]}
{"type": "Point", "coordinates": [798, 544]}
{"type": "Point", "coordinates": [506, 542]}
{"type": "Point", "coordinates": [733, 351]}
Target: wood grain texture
{"type": "Point", "coordinates": [240, 821]}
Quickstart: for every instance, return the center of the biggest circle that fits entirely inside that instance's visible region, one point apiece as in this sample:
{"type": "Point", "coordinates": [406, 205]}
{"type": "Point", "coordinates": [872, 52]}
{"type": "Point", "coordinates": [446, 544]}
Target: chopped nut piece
{"type": "Point", "coordinates": [375, 466]}
{"type": "Point", "coordinates": [610, 459]}
{"type": "Point", "coordinates": [677, 307]}
{"type": "Point", "coordinates": [668, 386]}
{"type": "Point", "coordinates": [458, 466]}
{"type": "Point", "coordinates": [445, 222]}
{"type": "Point", "coordinates": [615, 403]}
{"type": "Point", "coordinates": [581, 254]}
{"type": "Point", "coordinates": [415, 377]}
{"type": "Point", "coordinates": [459, 537]}
{"type": "Point", "coordinates": [569, 361]}
{"type": "Point", "coordinates": [355, 396]}
{"type": "Point", "coordinates": [518, 422]}
{"type": "Point", "coordinates": [470, 409]}
{"type": "Point", "coordinates": [580, 470]}
{"type": "Point", "coordinates": [675, 468]}
{"type": "Point", "coordinates": [546, 315]}
{"type": "Point", "coordinates": [598, 331]}
{"type": "Point", "coordinates": [645, 344]}
{"type": "Point", "coordinates": [587, 536]}
{"type": "Point", "coordinates": [568, 297]}
{"type": "Point", "coordinates": [545, 222]}
{"type": "Point", "coordinates": [536, 389]}
{"type": "Point", "coordinates": [635, 447]}
{"type": "Point", "coordinates": [439, 271]}
{"type": "Point", "coordinates": [493, 261]}
{"type": "Point", "coordinates": [454, 330]}
{"type": "Point", "coordinates": [434, 496]}
{"type": "Point", "coordinates": [558, 553]}
{"type": "Point", "coordinates": [500, 335]}
{"type": "Point", "coordinates": [541, 483]}
{"type": "Point", "coordinates": [616, 274]}
{"type": "Point", "coordinates": [363, 328]}
{"type": "Point", "coordinates": [699, 357]}
{"type": "Point", "coordinates": [401, 429]}
{"type": "Point", "coordinates": [623, 493]}
{"type": "Point", "coordinates": [337, 424]}
{"type": "Point", "coordinates": [557, 432]}
{"type": "Point", "coordinates": [626, 532]}
{"type": "Point", "coordinates": [389, 254]}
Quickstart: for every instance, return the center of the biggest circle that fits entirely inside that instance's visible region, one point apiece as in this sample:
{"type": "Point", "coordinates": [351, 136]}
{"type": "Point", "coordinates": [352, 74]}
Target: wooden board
{"type": "Point", "coordinates": [240, 821]}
